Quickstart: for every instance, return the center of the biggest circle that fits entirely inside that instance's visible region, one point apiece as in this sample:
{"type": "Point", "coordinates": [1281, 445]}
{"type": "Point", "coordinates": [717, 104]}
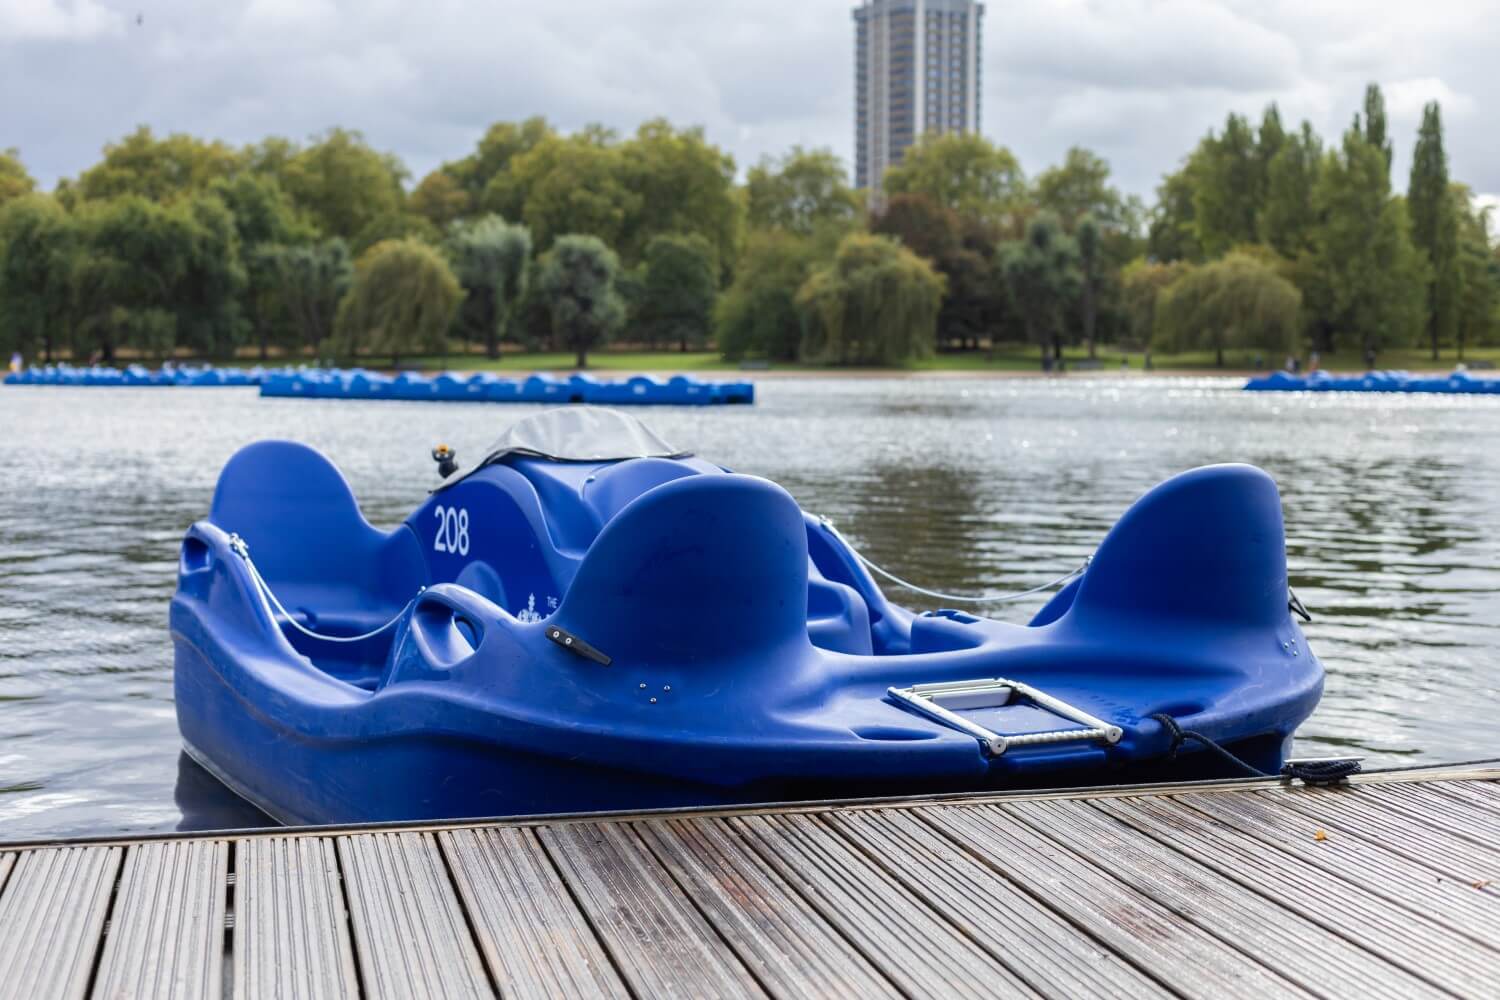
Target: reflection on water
{"type": "Point", "coordinates": [962, 485]}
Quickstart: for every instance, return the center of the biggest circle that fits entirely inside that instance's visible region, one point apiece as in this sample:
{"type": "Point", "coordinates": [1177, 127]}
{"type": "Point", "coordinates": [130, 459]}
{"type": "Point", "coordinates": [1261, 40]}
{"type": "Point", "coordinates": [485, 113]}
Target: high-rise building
{"type": "Point", "coordinates": [916, 70]}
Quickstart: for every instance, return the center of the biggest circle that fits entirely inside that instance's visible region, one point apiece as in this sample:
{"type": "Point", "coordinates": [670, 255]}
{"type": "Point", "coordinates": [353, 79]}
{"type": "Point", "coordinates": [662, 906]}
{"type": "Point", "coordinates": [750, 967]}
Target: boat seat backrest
{"type": "Point", "coordinates": [698, 571]}
{"type": "Point", "coordinates": [305, 530]}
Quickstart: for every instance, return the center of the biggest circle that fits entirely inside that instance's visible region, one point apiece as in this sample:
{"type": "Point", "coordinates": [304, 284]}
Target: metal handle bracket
{"type": "Point", "coordinates": [938, 700]}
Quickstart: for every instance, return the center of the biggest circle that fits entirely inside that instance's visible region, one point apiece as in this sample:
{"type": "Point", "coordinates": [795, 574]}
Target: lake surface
{"type": "Point", "coordinates": [1392, 507]}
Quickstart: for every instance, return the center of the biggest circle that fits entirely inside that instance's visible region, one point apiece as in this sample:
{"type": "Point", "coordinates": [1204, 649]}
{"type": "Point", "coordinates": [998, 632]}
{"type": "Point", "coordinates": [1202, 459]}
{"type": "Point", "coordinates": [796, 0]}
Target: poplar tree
{"type": "Point", "coordinates": [1434, 228]}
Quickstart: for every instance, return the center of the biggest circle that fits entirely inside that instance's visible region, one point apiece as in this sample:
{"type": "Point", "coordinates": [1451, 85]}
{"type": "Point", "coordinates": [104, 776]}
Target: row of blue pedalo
{"type": "Point", "coordinates": [191, 375]}
{"type": "Point", "coordinates": [1375, 381]}
{"type": "Point", "coordinates": [486, 387]}
{"type": "Point", "coordinates": [591, 619]}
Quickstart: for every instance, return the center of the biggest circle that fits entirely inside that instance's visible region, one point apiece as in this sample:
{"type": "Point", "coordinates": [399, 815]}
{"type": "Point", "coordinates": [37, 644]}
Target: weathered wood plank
{"type": "Point", "coordinates": [410, 935]}
{"type": "Point", "coordinates": [913, 946]}
{"type": "Point", "coordinates": [533, 937]}
{"type": "Point", "coordinates": [1038, 945]}
{"type": "Point", "coordinates": [1416, 806]}
{"type": "Point", "coordinates": [659, 941]}
{"type": "Point", "coordinates": [1373, 820]}
{"type": "Point", "coordinates": [1447, 900]}
{"type": "Point", "coordinates": [1188, 959]}
{"type": "Point", "coordinates": [291, 931]}
{"type": "Point", "coordinates": [1421, 945]}
{"type": "Point", "coordinates": [51, 917]}
{"type": "Point", "coordinates": [166, 934]}
{"type": "Point", "coordinates": [774, 930]}
{"type": "Point", "coordinates": [6, 862]}
{"type": "Point", "coordinates": [1347, 961]}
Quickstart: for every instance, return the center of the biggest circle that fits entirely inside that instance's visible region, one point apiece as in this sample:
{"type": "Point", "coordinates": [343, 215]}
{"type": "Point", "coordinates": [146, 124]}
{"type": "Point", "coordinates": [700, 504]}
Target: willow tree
{"type": "Point", "coordinates": [576, 281]}
{"type": "Point", "coordinates": [310, 282]}
{"type": "Point", "coordinates": [876, 302]}
{"type": "Point", "coordinates": [402, 301]}
{"type": "Point", "coordinates": [492, 260]}
{"type": "Point", "coordinates": [1238, 301]}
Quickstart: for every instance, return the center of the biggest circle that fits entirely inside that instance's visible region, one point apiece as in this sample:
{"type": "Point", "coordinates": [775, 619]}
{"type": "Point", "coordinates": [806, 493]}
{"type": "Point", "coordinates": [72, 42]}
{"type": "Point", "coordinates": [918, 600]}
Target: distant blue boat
{"type": "Point", "coordinates": [589, 619]}
{"type": "Point", "coordinates": [1374, 381]}
{"type": "Point", "coordinates": [136, 375]}
{"type": "Point", "coordinates": [486, 387]}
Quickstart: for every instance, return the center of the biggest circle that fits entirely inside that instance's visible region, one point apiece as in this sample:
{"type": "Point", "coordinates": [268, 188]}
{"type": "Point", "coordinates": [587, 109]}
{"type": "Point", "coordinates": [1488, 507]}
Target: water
{"type": "Point", "coordinates": [967, 485]}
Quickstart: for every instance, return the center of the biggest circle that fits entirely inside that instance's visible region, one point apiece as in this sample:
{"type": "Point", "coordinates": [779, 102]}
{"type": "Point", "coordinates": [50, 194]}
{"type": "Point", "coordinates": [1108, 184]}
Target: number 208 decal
{"type": "Point", "coordinates": [452, 530]}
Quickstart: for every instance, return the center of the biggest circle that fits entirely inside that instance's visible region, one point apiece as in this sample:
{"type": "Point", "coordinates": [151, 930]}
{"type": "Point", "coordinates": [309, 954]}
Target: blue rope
{"type": "Point", "coordinates": [1321, 772]}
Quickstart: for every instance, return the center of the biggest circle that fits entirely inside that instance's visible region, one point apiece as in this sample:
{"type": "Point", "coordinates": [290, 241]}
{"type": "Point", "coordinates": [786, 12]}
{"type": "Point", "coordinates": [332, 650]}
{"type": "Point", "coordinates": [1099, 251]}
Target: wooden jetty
{"type": "Point", "coordinates": [1389, 887]}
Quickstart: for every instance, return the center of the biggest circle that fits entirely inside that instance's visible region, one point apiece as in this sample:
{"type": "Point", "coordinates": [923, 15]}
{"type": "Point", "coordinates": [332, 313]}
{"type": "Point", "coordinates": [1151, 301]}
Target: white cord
{"type": "Point", "coordinates": [991, 598]}
{"type": "Point", "coordinates": [242, 549]}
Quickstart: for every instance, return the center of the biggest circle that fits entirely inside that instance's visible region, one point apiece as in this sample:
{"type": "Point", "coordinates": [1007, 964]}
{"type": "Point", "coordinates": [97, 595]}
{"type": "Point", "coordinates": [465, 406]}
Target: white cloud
{"type": "Point", "coordinates": [1138, 80]}
{"type": "Point", "coordinates": [55, 19]}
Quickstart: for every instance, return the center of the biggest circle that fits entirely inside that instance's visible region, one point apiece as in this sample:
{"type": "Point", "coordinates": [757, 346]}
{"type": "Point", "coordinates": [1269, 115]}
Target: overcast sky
{"type": "Point", "coordinates": [1136, 80]}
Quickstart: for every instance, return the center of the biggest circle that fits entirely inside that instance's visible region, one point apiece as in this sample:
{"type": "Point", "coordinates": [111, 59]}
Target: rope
{"type": "Point", "coordinates": [241, 548]}
{"type": "Point", "coordinates": [1316, 772]}
{"type": "Point", "coordinates": [990, 598]}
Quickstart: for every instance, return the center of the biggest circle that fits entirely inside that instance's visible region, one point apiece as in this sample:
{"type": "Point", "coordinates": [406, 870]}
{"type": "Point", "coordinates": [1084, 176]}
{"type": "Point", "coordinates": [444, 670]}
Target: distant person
{"type": "Point", "coordinates": [1148, 366]}
{"type": "Point", "coordinates": [1312, 361]}
{"type": "Point", "coordinates": [1369, 359]}
{"type": "Point", "coordinates": [1047, 360]}
{"type": "Point", "coordinates": [1260, 362]}
{"type": "Point", "coordinates": [1124, 363]}
{"type": "Point", "coordinates": [1291, 364]}
{"type": "Point", "coordinates": [16, 363]}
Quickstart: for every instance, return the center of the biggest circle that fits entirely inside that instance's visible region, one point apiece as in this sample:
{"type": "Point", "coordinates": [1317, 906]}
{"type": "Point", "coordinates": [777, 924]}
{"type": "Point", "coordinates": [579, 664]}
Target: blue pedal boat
{"type": "Point", "coordinates": [590, 620]}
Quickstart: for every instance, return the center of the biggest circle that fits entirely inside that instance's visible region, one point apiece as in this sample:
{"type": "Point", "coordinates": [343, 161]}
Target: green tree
{"type": "Point", "coordinates": [1091, 276]}
{"type": "Point", "coordinates": [310, 281]}
{"type": "Point", "coordinates": [757, 314]}
{"type": "Point", "coordinates": [1041, 270]}
{"type": "Point", "coordinates": [14, 180]}
{"type": "Point", "coordinates": [1363, 270]}
{"type": "Point", "coordinates": [801, 192]}
{"type": "Point", "coordinates": [207, 302]}
{"type": "Point", "coordinates": [441, 199]}
{"type": "Point", "coordinates": [501, 143]}
{"type": "Point", "coordinates": [1477, 257]}
{"type": "Point", "coordinates": [157, 169]}
{"type": "Point", "coordinates": [566, 184]}
{"type": "Point", "coordinates": [264, 220]}
{"type": "Point", "coordinates": [962, 171]}
{"type": "Point", "coordinates": [576, 279]}
{"type": "Point", "coordinates": [876, 302]}
{"type": "Point", "coordinates": [401, 302]}
{"type": "Point", "coordinates": [1142, 283]}
{"type": "Point", "coordinates": [677, 297]}
{"type": "Point", "coordinates": [683, 185]}
{"type": "Point", "coordinates": [37, 250]}
{"type": "Point", "coordinates": [1173, 229]}
{"type": "Point", "coordinates": [342, 184]}
{"type": "Point", "coordinates": [963, 252]}
{"type": "Point", "coordinates": [492, 260]}
{"type": "Point", "coordinates": [1288, 215]}
{"type": "Point", "coordinates": [1080, 186]}
{"type": "Point", "coordinates": [1374, 129]}
{"type": "Point", "coordinates": [1434, 229]}
{"type": "Point", "coordinates": [1269, 142]}
{"type": "Point", "coordinates": [1225, 192]}
{"type": "Point", "coordinates": [398, 225]}
{"type": "Point", "coordinates": [1237, 301]}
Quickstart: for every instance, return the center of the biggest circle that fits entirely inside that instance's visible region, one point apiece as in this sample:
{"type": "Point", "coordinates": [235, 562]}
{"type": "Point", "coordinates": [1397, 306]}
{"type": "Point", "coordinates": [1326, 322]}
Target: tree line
{"type": "Point", "coordinates": [1262, 240]}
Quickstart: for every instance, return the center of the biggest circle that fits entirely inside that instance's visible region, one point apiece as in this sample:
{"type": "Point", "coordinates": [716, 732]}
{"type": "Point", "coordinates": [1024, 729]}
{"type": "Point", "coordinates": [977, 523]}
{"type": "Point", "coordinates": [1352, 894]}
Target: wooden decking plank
{"type": "Point", "coordinates": [1419, 943]}
{"type": "Point", "coordinates": [1345, 962]}
{"type": "Point", "coordinates": [1263, 817]}
{"type": "Point", "coordinates": [1427, 809]}
{"type": "Point", "coordinates": [1471, 793]}
{"type": "Point", "coordinates": [410, 935]}
{"type": "Point", "coordinates": [291, 930]}
{"type": "Point", "coordinates": [915, 947]}
{"type": "Point", "coordinates": [660, 943]}
{"type": "Point", "coordinates": [1187, 958]}
{"type": "Point", "coordinates": [774, 930]}
{"type": "Point", "coordinates": [1038, 945]}
{"type": "Point", "coordinates": [51, 918]}
{"type": "Point", "coordinates": [1380, 821]}
{"type": "Point", "coordinates": [533, 937]}
{"type": "Point", "coordinates": [166, 934]}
